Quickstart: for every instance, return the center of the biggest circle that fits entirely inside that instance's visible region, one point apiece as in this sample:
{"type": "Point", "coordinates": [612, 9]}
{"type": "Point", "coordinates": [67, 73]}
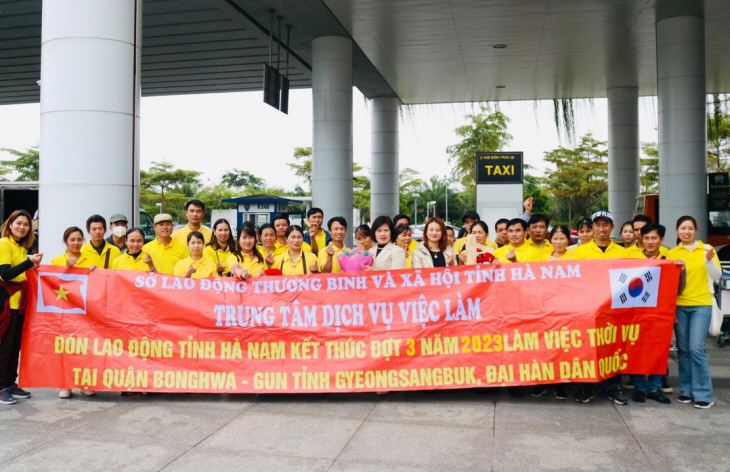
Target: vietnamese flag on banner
{"type": "Point", "coordinates": [62, 293]}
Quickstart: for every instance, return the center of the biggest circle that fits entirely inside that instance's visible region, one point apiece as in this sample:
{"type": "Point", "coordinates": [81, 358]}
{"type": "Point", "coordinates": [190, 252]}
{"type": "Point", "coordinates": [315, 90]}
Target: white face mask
{"type": "Point", "coordinates": [119, 231]}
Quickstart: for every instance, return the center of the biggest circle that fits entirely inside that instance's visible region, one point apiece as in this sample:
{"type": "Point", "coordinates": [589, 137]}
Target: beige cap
{"type": "Point", "coordinates": [162, 217]}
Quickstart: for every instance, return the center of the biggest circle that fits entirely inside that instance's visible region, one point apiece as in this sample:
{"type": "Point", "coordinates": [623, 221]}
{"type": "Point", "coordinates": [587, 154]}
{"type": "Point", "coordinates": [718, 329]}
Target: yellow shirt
{"type": "Point", "coordinates": [697, 290]}
{"type": "Point", "coordinates": [127, 262]}
{"type": "Point", "coordinates": [524, 253]}
{"type": "Point", "coordinates": [567, 256]}
{"type": "Point", "coordinates": [545, 250]}
{"type": "Point", "coordinates": [218, 255]}
{"type": "Point", "coordinates": [83, 261]}
{"type": "Point", "coordinates": [289, 267]}
{"type": "Point", "coordinates": [336, 269]}
{"type": "Point", "coordinates": [252, 265]}
{"type": "Point", "coordinates": [97, 259]}
{"type": "Point", "coordinates": [12, 253]}
{"type": "Point", "coordinates": [592, 251]}
{"type": "Point", "coordinates": [181, 236]}
{"type": "Point", "coordinates": [165, 257]}
{"type": "Point", "coordinates": [203, 268]}
{"type": "Point", "coordinates": [461, 242]}
{"type": "Point", "coordinates": [634, 251]}
{"type": "Point", "coordinates": [412, 246]}
{"type": "Point", "coordinates": [321, 241]}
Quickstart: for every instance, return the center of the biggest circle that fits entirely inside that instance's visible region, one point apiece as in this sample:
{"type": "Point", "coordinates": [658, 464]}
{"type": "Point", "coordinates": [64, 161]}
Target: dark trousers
{"type": "Point", "coordinates": [10, 350]}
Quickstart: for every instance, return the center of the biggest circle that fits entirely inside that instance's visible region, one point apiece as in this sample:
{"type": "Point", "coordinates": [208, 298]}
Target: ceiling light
{"type": "Point", "coordinates": [499, 46]}
{"type": "Point", "coordinates": [501, 86]}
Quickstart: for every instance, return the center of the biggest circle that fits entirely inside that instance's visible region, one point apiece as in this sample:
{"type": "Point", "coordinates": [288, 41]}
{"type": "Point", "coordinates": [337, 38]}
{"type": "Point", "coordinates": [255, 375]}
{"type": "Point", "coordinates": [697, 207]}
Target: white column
{"type": "Point", "coordinates": [623, 153]}
{"type": "Point", "coordinates": [90, 91]}
{"type": "Point", "coordinates": [682, 127]}
{"type": "Point", "coordinates": [384, 170]}
{"type": "Point", "coordinates": [332, 143]}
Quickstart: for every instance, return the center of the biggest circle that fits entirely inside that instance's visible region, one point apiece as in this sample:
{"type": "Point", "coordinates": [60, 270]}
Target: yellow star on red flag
{"type": "Point", "coordinates": [61, 293]}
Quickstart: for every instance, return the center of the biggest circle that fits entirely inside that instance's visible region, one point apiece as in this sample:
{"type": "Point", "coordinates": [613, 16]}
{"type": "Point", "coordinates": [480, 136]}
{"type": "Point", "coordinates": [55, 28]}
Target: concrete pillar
{"type": "Point", "coordinates": [384, 171]}
{"type": "Point", "coordinates": [680, 38]}
{"type": "Point", "coordinates": [332, 144]}
{"type": "Point", "coordinates": [623, 153]}
{"type": "Point", "coordinates": [90, 91]}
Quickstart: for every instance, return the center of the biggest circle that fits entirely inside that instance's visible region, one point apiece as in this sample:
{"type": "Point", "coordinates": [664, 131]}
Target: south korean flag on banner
{"type": "Point", "coordinates": [636, 287]}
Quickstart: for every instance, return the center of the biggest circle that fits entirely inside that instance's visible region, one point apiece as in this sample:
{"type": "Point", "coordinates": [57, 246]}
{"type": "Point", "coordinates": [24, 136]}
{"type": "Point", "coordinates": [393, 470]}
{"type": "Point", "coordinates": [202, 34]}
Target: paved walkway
{"type": "Point", "coordinates": [453, 430]}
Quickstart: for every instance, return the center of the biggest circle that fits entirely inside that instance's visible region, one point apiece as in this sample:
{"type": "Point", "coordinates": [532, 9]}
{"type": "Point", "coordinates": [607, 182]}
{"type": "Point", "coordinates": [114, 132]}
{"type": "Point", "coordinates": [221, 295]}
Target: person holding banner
{"type": "Point", "coordinates": [98, 250]}
{"type": "Point", "coordinates": [364, 238]}
{"type": "Point", "coordinates": [296, 260]}
{"type": "Point", "coordinates": [73, 238]}
{"type": "Point", "coordinates": [221, 245]}
{"type": "Point", "coordinates": [388, 256]}
{"type": "Point", "coordinates": [434, 251]}
{"type": "Point", "coordinates": [328, 256]}
{"type": "Point", "coordinates": [404, 239]}
{"type": "Point", "coordinates": [246, 261]}
{"type": "Point", "coordinates": [163, 251]}
{"type": "Point", "coordinates": [517, 250]}
{"type": "Point", "coordinates": [694, 313]}
{"type": "Point", "coordinates": [602, 247]}
{"type": "Point", "coordinates": [135, 258]}
{"type": "Point", "coordinates": [17, 237]}
{"type": "Point", "coordinates": [196, 265]}
{"type": "Point", "coordinates": [480, 232]}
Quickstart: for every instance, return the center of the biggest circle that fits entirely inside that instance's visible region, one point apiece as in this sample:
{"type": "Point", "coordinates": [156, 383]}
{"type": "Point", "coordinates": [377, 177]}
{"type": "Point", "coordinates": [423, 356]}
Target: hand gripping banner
{"type": "Point", "coordinates": [471, 326]}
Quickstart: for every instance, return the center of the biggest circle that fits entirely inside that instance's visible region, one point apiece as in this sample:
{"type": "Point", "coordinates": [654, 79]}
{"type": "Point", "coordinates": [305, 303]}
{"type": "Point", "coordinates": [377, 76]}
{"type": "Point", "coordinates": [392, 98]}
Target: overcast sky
{"type": "Point", "coordinates": [213, 133]}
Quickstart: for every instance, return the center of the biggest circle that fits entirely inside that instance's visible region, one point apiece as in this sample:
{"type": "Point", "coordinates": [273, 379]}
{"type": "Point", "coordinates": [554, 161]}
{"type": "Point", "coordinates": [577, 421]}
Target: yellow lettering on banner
{"type": "Point", "coordinates": [305, 350]}
{"type": "Point", "coordinates": [264, 350]}
{"type": "Point", "coordinates": [311, 380]}
{"type": "Point", "coordinates": [405, 378]}
{"type": "Point", "coordinates": [437, 345]}
{"type": "Point", "coordinates": [577, 370]}
{"type": "Point", "coordinates": [108, 347]}
{"type": "Point", "coordinates": [387, 348]}
{"type": "Point", "coordinates": [197, 349]}
{"type": "Point", "coordinates": [537, 372]}
{"type": "Point", "coordinates": [84, 377]}
{"type": "Point", "coordinates": [500, 374]}
{"type": "Point", "coordinates": [345, 349]}
{"type": "Point", "coordinates": [270, 381]}
{"type": "Point", "coordinates": [71, 345]}
{"type": "Point", "coordinates": [193, 380]}
{"type": "Point", "coordinates": [522, 342]}
{"type": "Point", "coordinates": [231, 350]}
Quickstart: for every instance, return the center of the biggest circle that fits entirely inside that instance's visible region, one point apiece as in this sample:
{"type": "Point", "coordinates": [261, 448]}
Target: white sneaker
{"type": "Point", "coordinates": [88, 393]}
{"type": "Point", "coordinates": [64, 393]}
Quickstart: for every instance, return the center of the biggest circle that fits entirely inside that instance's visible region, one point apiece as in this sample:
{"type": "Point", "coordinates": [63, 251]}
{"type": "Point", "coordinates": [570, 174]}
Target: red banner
{"type": "Point", "coordinates": [473, 326]}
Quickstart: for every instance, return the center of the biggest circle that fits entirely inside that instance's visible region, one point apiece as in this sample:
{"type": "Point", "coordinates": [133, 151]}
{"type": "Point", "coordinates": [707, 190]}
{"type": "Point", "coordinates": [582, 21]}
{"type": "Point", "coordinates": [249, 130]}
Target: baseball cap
{"type": "Point", "coordinates": [605, 214]}
{"type": "Point", "coordinates": [163, 217]}
{"type": "Point", "coordinates": [117, 217]}
{"type": "Point", "coordinates": [470, 214]}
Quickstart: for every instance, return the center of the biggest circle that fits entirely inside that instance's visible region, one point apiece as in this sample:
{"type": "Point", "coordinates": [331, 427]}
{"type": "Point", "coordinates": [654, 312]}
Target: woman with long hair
{"type": "Point", "coordinates": [434, 250]}
{"type": "Point", "coordinates": [221, 245]}
{"type": "Point", "coordinates": [16, 238]}
{"type": "Point", "coordinates": [246, 261]}
{"type": "Point", "coordinates": [694, 313]}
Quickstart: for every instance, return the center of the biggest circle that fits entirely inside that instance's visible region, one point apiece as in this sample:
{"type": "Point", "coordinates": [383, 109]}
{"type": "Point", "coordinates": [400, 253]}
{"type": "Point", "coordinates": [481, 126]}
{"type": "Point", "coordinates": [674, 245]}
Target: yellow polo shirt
{"type": "Point", "coordinates": [545, 250]}
{"type": "Point", "coordinates": [567, 256]}
{"type": "Point", "coordinates": [127, 262]}
{"type": "Point", "coordinates": [12, 253]}
{"type": "Point", "coordinates": [697, 290]}
{"type": "Point", "coordinates": [83, 261]}
{"type": "Point", "coordinates": [97, 259]}
{"type": "Point", "coordinates": [218, 255]}
{"type": "Point", "coordinates": [634, 251]}
{"type": "Point", "coordinates": [251, 264]}
{"type": "Point", "coordinates": [461, 242]}
{"type": "Point", "coordinates": [524, 253]}
{"type": "Point", "coordinates": [289, 267]}
{"type": "Point", "coordinates": [592, 251]}
{"type": "Point", "coordinates": [181, 235]}
{"type": "Point", "coordinates": [321, 240]}
{"type": "Point", "coordinates": [203, 268]}
{"type": "Point", "coordinates": [335, 263]}
{"type": "Point", "coordinates": [165, 257]}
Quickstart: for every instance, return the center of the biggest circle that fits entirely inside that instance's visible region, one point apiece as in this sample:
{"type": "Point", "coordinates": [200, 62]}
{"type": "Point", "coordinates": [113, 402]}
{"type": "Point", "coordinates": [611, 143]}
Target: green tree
{"type": "Point", "coordinates": [435, 191]}
{"type": "Point", "coordinates": [410, 185]}
{"type": "Point", "coordinates": [171, 187]}
{"type": "Point", "coordinates": [303, 166]}
{"type": "Point", "coordinates": [242, 179]}
{"type": "Point", "coordinates": [649, 168]}
{"type": "Point", "coordinates": [533, 188]}
{"type": "Point", "coordinates": [579, 182]}
{"type": "Point", "coordinates": [718, 143]}
{"type": "Point", "coordinates": [26, 166]}
{"type": "Point", "coordinates": [487, 132]}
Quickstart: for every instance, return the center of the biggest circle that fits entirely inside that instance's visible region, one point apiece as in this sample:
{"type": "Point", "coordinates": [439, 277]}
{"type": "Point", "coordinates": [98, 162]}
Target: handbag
{"type": "Point", "coordinates": [717, 316]}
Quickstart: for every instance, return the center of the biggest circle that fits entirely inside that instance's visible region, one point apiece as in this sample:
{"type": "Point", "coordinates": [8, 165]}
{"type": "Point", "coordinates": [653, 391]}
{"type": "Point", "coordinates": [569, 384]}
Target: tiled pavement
{"type": "Point", "coordinates": [453, 430]}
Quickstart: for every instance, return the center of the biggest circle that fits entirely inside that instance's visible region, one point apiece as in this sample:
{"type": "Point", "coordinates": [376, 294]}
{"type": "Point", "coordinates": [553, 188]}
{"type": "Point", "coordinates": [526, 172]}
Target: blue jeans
{"type": "Point", "coordinates": [654, 384]}
{"type": "Point", "coordinates": [693, 323]}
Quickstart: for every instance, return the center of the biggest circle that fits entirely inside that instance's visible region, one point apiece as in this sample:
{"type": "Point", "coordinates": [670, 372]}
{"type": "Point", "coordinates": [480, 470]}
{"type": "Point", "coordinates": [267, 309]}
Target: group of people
{"type": "Point", "coordinates": [281, 248]}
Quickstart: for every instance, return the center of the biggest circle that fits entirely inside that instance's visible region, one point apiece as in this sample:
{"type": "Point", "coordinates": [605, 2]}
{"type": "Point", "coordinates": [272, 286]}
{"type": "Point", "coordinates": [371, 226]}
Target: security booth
{"type": "Point", "coordinates": [261, 209]}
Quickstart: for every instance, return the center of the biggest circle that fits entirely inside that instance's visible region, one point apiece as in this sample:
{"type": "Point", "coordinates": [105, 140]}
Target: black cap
{"type": "Point", "coordinates": [470, 214]}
